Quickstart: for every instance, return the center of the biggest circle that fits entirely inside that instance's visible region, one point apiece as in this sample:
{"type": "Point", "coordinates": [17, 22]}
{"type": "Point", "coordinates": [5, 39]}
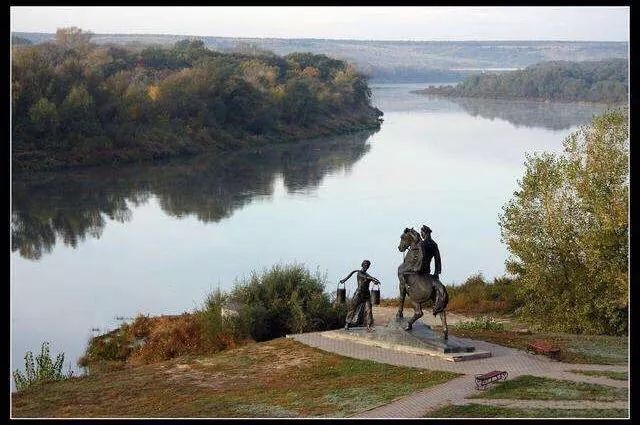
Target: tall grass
{"type": "Point", "coordinates": [43, 370]}
{"type": "Point", "coordinates": [477, 295]}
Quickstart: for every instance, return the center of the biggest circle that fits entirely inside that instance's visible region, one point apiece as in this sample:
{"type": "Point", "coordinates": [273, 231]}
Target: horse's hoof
{"type": "Point", "coordinates": [408, 328]}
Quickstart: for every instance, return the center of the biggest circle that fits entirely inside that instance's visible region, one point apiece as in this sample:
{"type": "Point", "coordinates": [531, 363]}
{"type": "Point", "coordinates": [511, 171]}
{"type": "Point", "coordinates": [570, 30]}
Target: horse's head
{"type": "Point", "coordinates": [408, 238]}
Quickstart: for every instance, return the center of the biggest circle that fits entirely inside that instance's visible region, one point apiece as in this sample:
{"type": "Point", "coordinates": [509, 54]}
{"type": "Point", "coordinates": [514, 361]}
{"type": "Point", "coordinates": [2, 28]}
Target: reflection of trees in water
{"type": "Point", "coordinates": [71, 206]}
{"type": "Point", "coordinates": [551, 115]}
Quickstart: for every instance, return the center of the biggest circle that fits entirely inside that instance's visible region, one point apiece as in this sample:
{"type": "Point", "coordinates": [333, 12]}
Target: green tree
{"type": "Point", "coordinates": [73, 38]}
{"type": "Point", "coordinates": [567, 231]}
{"type": "Point", "coordinates": [44, 118]}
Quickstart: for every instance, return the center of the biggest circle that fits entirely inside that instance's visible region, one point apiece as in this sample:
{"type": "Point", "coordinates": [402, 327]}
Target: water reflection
{"type": "Point", "coordinates": [550, 115]}
{"type": "Point", "coordinates": [521, 113]}
{"type": "Point", "coordinates": [70, 207]}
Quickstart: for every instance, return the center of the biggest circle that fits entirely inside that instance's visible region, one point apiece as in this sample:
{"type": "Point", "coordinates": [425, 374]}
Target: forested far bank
{"type": "Point", "coordinates": [603, 81]}
{"type": "Point", "coordinates": [78, 103]}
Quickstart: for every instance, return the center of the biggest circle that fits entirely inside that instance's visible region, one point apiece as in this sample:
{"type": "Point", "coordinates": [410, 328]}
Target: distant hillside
{"type": "Point", "coordinates": [397, 61]}
{"type": "Point", "coordinates": [592, 81]}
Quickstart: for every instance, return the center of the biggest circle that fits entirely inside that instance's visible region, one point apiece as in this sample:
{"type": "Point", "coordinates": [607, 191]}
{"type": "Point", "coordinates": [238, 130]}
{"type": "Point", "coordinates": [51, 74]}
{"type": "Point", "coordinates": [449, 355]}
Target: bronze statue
{"type": "Point", "coordinates": [360, 309]}
{"type": "Point", "coordinates": [429, 251]}
{"type": "Point", "coordinates": [420, 286]}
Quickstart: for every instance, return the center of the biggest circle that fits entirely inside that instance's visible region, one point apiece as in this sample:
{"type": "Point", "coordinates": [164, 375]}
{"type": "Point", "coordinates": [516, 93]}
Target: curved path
{"type": "Point", "coordinates": [516, 362]}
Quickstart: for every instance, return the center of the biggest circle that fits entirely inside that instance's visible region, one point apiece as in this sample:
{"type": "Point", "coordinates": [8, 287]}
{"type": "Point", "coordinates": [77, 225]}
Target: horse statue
{"type": "Point", "coordinates": [419, 285]}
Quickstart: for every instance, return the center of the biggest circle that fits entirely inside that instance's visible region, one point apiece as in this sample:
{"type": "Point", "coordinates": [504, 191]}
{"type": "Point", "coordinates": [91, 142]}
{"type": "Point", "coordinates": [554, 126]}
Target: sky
{"type": "Point", "coordinates": [360, 23]}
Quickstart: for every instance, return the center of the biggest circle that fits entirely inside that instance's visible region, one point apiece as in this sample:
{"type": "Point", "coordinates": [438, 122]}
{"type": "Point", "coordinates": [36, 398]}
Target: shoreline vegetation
{"type": "Point", "coordinates": [602, 82]}
{"type": "Point", "coordinates": [284, 299]}
{"type": "Point", "coordinates": [78, 103]}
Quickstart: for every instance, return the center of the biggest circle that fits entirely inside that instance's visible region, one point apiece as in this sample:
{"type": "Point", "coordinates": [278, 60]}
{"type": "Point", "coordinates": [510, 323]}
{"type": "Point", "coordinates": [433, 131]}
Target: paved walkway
{"type": "Point", "coordinates": [516, 362]}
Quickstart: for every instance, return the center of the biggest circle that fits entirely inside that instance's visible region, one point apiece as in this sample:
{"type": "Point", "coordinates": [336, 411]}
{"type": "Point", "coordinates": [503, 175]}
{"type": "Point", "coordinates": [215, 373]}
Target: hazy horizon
{"type": "Point", "coordinates": [393, 24]}
{"type": "Point", "coordinates": [332, 39]}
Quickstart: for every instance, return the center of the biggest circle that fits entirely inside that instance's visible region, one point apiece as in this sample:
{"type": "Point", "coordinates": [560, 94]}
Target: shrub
{"type": "Point", "coordinates": [45, 369]}
{"type": "Point", "coordinates": [477, 295]}
{"type": "Point", "coordinates": [220, 326]}
{"type": "Point", "coordinates": [484, 323]}
{"type": "Point", "coordinates": [284, 299]}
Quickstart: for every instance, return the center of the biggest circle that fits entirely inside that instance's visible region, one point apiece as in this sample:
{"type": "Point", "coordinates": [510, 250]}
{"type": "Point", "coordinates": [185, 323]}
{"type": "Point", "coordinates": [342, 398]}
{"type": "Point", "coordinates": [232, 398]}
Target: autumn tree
{"type": "Point", "coordinates": [567, 231]}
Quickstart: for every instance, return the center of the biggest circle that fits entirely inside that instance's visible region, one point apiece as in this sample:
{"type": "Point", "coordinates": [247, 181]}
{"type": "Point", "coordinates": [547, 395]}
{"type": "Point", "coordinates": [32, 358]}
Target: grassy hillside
{"type": "Point", "coordinates": [278, 378]}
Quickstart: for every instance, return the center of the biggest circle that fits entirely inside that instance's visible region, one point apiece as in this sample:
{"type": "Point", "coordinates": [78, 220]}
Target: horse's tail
{"type": "Point", "coordinates": [442, 297]}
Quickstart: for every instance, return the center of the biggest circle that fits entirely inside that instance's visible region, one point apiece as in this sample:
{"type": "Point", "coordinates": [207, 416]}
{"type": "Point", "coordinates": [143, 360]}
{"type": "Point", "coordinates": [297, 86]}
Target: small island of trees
{"type": "Point", "coordinates": [603, 81]}
{"type": "Point", "coordinates": [77, 103]}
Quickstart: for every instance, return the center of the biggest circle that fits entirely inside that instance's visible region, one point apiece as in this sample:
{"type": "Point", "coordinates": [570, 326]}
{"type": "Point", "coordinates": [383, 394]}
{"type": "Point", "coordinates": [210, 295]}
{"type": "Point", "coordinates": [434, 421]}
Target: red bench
{"type": "Point", "coordinates": [486, 378]}
{"type": "Point", "coordinates": [543, 347]}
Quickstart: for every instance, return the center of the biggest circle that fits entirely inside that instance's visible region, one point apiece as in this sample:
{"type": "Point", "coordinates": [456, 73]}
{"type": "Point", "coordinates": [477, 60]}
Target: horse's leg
{"type": "Point", "coordinates": [443, 316]}
{"type": "Point", "coordinates": [403, 294]}
{"type": "Point", "coordinates": [417, 308]}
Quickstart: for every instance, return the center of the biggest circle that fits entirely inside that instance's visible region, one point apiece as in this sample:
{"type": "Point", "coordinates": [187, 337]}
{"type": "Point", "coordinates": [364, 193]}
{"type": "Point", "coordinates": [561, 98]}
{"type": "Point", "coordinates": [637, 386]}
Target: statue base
{"type": "Point", "coordinates": [419, 340]}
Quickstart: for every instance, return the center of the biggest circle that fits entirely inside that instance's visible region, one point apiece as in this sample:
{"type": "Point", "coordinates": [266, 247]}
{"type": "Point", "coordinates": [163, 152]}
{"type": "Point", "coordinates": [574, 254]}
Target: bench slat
{"type": "Point", "coordinates": [491, 374]}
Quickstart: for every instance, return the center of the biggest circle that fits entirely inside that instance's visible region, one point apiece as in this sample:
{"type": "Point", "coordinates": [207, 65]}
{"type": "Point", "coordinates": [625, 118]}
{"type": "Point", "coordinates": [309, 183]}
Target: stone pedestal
{"type": "Point", "coordinates": [420, 340]}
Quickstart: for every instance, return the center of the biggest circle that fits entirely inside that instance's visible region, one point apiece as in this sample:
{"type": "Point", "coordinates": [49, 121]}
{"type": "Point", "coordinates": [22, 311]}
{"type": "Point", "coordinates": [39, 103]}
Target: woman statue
{"type": "Point", "coordinates": [361, 298]}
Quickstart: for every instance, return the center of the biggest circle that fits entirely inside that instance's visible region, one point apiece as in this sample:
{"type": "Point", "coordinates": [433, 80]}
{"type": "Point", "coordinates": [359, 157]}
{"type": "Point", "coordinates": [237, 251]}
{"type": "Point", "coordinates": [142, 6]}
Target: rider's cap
{"type": "Point", "coordinates": [425, 229]}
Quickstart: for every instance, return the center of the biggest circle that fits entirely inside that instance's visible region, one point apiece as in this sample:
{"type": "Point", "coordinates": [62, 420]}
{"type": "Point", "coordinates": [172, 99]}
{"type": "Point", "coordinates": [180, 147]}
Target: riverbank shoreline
{"type": "Point", "coordinates": [24, 163]}
{"type": "Point", "coordinates": [426, 92]}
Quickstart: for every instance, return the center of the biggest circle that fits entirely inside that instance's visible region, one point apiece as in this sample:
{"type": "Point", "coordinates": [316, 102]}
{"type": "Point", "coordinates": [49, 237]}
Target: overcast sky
{"type": "Point", "coordinates": [364, 23]}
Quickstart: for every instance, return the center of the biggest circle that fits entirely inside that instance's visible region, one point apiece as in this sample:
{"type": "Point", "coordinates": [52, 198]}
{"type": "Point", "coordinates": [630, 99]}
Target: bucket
{"type": "Point", "coordinates": [375, 294]}
{"type": "Point", "coordinates": [341, 294]}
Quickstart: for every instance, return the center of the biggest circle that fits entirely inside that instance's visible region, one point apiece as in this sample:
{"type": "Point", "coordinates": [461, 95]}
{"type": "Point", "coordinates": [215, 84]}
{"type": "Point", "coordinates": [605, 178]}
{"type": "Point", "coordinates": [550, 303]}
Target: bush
{"type": "Point", "coordinates": [282, 300]}
{"type": "Point", "coordinates": [45, 369]}
{"type": "Point", "coordinates": [220, 326]}
{"type": "Point", "coordinates": [484, 323]}
{"type": "Point", "coordinates": [477, 295]}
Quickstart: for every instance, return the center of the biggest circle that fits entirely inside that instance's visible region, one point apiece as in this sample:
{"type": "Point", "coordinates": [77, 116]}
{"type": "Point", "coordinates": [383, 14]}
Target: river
{"type": "Point", "coordinates": [91, 247]}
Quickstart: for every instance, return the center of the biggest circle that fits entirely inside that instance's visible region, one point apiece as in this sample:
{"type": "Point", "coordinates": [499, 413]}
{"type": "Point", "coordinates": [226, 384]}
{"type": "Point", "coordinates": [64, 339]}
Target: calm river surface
{"type": "Point", "coordinates": [93, 246]}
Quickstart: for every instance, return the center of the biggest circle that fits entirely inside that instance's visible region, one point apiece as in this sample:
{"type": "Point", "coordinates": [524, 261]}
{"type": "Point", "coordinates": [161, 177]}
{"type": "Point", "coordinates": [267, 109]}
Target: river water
{"type": "Point", "coordinates": [95, 246]}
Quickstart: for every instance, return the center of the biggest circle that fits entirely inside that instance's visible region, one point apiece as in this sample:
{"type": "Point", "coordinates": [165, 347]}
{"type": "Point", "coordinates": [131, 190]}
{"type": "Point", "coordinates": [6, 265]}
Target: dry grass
{"type": "Point", "coordinates": [527, 387]}
{"type": "Point", "coordinates": [463, 304]}
{"type": "Point", "coordinates": [271, 379]}
{"type": "Point", "coordinates": [152, 339]}
{"type": "Point", "coordinates": [483, 411]}
{"type": "Point", "coordinates": [595, 349]}
{"type": "Point", "coordinates": [618, 376]}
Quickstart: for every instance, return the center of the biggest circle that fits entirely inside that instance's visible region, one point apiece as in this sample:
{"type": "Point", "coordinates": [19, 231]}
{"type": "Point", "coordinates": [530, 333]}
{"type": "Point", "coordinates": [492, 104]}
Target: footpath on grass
{"type": "Point", "coordinates": [456, 392]}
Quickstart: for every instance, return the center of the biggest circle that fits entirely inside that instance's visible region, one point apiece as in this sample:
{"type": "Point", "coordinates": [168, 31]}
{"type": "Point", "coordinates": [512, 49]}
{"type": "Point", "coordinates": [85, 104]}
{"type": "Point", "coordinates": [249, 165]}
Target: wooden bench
{"type": "Point", "coordinates": [486, 378]}
{"type": "Point", "coordinates": [543, 347]}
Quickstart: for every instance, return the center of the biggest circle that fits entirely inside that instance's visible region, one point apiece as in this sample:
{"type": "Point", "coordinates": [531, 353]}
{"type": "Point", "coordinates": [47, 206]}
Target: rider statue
{"type": "Point", "coordinates": [419, 261]}
{"type": "Point", "coordinates": [361, 299]}
{"type": "Point", "coordinates": [415, 279]}
{"type": "Point", "coordinates": [429, 251]}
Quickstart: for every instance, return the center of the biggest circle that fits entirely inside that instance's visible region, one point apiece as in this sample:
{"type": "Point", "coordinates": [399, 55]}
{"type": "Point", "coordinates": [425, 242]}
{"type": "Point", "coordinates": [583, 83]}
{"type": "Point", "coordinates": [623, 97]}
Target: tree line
{"type": "Point", "coordinates": [75, 102]}
{"type": "Point", "coordinates": [603, 81]}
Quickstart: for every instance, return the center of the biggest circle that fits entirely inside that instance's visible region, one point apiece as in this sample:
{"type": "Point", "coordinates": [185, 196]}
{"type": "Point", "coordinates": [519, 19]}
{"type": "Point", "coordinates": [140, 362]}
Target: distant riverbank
{"type": "Point", "coordinates": [75, 102]}
{"type": "Point", "coordinates": [604, 82]}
